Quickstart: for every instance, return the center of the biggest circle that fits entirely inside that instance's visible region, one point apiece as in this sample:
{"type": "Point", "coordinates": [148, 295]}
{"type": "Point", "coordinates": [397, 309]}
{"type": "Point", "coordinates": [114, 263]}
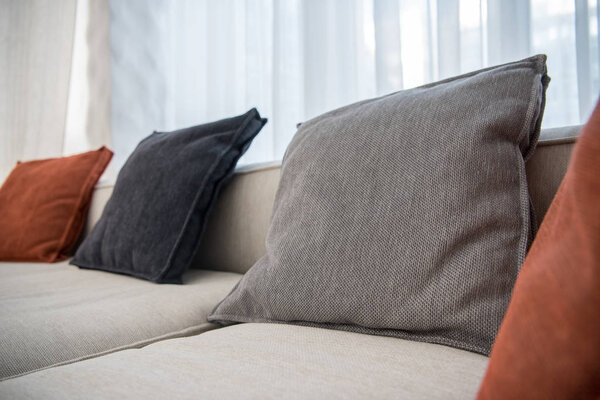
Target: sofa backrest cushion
{"type": "Point", "coordinates": [236, 232]}
{"type": "Point", "coordinates": [547, 166]}
{"type": "Point", "coordinates": [237, 227]}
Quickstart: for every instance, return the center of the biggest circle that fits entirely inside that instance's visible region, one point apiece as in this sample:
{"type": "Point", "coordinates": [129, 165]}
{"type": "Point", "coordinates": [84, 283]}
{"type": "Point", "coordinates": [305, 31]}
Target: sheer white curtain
{"type": "Point", "coordinates": [54, 79]}
{"type": "Point", "coordinates": [144, 65]}
{"type": "Point", "coordinates": [36, 39]}
{"type": "Point", "coordinates": [181, 62]}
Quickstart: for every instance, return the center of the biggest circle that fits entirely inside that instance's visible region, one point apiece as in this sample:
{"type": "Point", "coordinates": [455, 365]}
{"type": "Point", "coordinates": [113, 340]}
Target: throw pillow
{"type": "Point", "coordinates": [405, 215]}
{"type": "Point", "coordinates": [549, 344]}
{"type": "Point", "coordinates": [44, 203]}
{"type": "Point", "coordinates": [152, 223]}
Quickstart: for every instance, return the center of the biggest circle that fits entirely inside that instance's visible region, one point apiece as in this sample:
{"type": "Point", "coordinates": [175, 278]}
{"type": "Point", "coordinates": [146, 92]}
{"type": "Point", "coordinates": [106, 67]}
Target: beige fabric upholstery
{"type": "Point", "coordinates": [235, 235]}
{"type": "Point", "coordinates": [548, 165]}
{"type": "Point", "coordinates": [56, 313]}
{"type": "Point", "coordinates": [265, 361]}
{"type": "Point", "coordinates": [101, 195]}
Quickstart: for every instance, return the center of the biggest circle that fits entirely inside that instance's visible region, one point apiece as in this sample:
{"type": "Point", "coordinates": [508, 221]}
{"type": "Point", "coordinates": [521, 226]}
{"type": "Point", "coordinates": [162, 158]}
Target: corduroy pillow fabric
{"type": "Point", "coordinates": [152, 223]}
{"type": "Point", "coordinates": [548, 346]}
{"type": "Point", "coordinates": [406, 215]}
{"type": "Point", "coordinates": [44, 203]}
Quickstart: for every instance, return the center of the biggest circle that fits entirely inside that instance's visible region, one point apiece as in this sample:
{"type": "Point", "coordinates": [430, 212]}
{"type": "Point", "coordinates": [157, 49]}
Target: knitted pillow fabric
{"type": "Point", "coordinates": [406, 215]}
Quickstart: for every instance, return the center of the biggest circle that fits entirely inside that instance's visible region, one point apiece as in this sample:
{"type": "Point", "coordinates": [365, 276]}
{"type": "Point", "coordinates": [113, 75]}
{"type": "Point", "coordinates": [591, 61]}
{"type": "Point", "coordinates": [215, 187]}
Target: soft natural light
{"type": "Point", "coordinates": [176, 63]}
{"type": "Point", "coordinates": [297, 59]}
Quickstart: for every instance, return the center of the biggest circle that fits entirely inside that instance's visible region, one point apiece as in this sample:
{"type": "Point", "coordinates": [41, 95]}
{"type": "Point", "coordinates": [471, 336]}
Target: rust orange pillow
{"type": "Point", "coordinates": [44, 203]}
{"type": "Point", "coordinates": [548, 346]}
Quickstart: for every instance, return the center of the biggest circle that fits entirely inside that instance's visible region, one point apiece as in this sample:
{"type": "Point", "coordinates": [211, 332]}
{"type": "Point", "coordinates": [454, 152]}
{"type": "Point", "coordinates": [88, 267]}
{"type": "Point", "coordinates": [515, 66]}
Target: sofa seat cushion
{"type": "Point", "coordinates": [56, 314]}
{"type": "Point", "coordinates": [265, 361]}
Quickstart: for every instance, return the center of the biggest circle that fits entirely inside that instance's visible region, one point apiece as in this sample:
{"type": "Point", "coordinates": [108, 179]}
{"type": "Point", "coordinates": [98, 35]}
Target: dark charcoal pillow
{"type": "Point", "coordinates": [152, 223]}
{"type": "Point", "coordinates": [405, 215]}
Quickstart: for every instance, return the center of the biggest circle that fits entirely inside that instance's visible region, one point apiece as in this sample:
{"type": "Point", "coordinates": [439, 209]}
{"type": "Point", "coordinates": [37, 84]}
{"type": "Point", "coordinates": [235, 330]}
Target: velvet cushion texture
{"type": "Point", "coordinates": [406, 215]}
{"type": "Point", "coordinates": [549, 344]}
{"type": "Point", "coordinates": [44, 203]}
{"type": "Point", "coordinates": [151, 225]}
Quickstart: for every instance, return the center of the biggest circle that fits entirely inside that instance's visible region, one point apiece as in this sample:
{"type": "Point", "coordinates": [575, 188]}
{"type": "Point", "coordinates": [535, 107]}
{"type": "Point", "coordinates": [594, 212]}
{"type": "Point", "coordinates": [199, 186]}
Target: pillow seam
{"type": "Point", "coordinates": [192, 210]}
{"type": "Point", "coordinates": [533, 114]}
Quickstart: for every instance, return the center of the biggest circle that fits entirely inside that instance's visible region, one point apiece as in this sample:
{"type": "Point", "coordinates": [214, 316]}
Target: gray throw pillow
{"type": "Point", "coordinates": [152, 224]}
{"type": "Point", "coordinates": [406, 215]}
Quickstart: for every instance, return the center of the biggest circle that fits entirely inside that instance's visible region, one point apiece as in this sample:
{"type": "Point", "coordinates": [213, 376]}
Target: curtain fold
{"type": "Point", "coordinates": [36, 39]}
{"type": "Point", "coordinates": [296, 59]}
{"type": "Point", "coordinates": [88, 115]}
{"type": "Point", "coordinates": [582, 49]}
{"type": "Point", "coordinates": [508, 30]}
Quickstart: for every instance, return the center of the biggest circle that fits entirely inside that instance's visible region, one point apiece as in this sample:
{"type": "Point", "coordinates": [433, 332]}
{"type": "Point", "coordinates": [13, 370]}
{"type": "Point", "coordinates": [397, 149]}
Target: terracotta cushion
{"type": "Point", "coordinates": [548, 346]}
{"type": "Point", "coordinates": [43, 205]}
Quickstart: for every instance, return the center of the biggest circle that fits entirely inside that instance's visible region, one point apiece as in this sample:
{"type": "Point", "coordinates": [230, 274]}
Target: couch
{"type": "Point", "coordinates": [66, 332]}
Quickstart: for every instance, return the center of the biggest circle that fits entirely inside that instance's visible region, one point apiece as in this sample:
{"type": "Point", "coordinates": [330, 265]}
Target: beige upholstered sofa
{"type": "Point", "coordinates": [72, 333]}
